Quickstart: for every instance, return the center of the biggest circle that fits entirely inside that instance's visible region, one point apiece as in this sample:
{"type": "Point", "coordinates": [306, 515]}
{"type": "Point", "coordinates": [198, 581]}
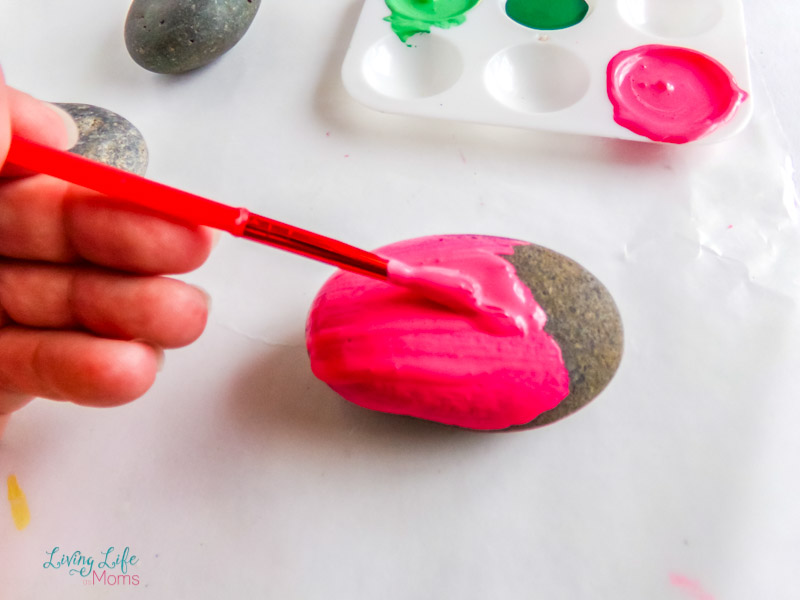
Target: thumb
{"type": "Point", "coordinates": [35, 120]}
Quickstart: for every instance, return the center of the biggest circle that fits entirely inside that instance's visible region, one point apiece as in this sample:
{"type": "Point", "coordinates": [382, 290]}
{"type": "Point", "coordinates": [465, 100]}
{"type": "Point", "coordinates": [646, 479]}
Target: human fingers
{"type": "Point", "coordinates": [38, 121]}
{"type": "Point", "coordinates": [45, 219]}
{"type": "Point", "coordinates": [5, 133]}
{"type": "Point", "coordinates": [72, 366]}
{"type": "Point", "coordinates": [159, 310]}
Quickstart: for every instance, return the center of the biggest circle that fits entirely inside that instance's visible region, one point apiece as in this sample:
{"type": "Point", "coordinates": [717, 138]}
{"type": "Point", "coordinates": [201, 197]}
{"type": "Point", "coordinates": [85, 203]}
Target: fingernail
{"type": "Point", "coordinates": [159, 358]}
{"type": "Point", "coordinates": [216, 234]}
{"type": "Point", "coordinates": [206, 294]}
{"type": "Point", "coordinates": [73, 134]}
{"type": "Point", "coordinates": [157, 350]}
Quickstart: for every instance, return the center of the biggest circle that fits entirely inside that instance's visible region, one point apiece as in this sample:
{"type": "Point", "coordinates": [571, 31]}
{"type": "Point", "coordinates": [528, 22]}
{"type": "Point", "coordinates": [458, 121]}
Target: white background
{"type": "Point", "coordinates": [240, 475]}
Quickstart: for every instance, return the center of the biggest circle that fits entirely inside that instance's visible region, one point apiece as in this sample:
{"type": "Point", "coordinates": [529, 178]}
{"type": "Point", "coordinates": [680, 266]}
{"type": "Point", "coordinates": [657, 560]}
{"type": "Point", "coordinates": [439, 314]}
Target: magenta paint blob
{"type": "Point", "coordinates": [387, 348]}
{"type": "Point", "coordinates": [671, 94]}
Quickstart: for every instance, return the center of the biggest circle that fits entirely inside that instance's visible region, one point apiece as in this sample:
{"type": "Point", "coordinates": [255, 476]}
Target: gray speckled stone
{"type": "Point", "coordinates": [107, 137]}
{"type": "Point", "coordinates": [175, 36]}
{"type": "Point", "coordinates": [581, 316]}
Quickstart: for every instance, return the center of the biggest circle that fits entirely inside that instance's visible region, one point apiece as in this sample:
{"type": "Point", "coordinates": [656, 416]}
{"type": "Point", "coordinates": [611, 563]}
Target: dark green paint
{"type": "Point", "coordinates": [547, 14]}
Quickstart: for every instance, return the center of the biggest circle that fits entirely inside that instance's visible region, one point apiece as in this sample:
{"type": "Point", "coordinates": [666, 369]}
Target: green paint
{"type": "Point", "coordinates": [547, 14]}
{"type": "Point", "coordinates": [410, 17]}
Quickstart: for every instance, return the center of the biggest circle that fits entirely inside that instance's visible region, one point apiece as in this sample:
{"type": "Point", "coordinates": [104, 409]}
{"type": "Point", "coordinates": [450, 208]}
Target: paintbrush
{"type": "Point", "coordinates": [445, 286]}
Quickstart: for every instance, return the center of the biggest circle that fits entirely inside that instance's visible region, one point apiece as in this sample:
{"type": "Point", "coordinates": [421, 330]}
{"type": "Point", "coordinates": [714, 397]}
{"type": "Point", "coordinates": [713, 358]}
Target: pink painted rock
{"type": "Point", "coordinates": [384, 348]}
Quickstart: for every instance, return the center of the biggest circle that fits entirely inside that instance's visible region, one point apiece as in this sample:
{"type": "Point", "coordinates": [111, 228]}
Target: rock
{"type": "Point", "coordinates": [385, 348]}
{"type": "Point", "coordinates": [583, 319]}
{"type": "Point", "coordinates": [175, 36]}
{"type": "Point", "coordinates": [107, 137]}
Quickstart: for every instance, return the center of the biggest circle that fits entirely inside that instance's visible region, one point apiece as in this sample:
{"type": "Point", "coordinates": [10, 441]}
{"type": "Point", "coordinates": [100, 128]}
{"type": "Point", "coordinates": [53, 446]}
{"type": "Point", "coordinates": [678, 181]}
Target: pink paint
{"type": "Point", "coordinates": [390, 349]}
{"type": "Point", "coordinates": [690, 586]}
{"type": "Point", "coordinates": [501, 310]}
{"type": "Point", "coordinates": [671, 94]}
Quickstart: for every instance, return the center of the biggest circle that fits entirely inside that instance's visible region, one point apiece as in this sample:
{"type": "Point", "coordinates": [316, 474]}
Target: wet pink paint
{"type": "Point", "coordinates": [389, 348]}
{"type": "Point", "coordinates": [501, 311]}
{"type": "Point", "coordinates": [671, 94]}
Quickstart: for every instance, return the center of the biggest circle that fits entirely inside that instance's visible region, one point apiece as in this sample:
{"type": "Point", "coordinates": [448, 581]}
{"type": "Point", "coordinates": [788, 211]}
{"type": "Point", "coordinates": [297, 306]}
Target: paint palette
{"type": "Point", "coordinates": [492, 62]}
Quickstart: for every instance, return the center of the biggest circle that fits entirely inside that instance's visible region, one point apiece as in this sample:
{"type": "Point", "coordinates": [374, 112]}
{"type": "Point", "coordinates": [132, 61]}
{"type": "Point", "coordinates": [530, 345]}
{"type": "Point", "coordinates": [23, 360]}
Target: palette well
{"type": "Point", "coordinates": [557, 66]}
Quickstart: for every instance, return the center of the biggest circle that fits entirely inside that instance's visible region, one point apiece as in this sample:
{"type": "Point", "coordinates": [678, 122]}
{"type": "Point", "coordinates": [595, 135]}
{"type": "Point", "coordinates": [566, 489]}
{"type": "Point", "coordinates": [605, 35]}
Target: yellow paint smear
{"type": "Point", "coordinates": [19, 505]}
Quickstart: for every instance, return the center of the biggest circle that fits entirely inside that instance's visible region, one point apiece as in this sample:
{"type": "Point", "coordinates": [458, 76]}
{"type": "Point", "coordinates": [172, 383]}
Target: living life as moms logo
{"type": "Point", "coordinates": [111, 568]}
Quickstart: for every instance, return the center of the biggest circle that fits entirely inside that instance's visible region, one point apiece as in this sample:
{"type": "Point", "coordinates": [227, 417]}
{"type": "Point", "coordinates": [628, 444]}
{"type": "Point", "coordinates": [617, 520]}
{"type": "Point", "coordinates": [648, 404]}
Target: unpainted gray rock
{"type": "Point", "coordinates": [581, 316]}
{"type": "Point", "coordinates": [108, 138]}
{"type": "Point", "coordinates": [175, 36]}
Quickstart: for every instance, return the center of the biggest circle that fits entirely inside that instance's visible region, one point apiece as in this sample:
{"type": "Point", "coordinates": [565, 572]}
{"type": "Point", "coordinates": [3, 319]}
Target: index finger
{"type": "Point", "coordinates": [45, 219]}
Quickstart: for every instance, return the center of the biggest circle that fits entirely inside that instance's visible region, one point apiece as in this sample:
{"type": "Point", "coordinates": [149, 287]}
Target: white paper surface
{"type": "Point", "coordinates": [240, 475]}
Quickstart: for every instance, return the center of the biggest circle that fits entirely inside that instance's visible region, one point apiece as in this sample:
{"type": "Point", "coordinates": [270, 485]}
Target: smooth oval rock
{"type": "Point", "coordinates": [175, 36]}
{"type": "Point", "coordinates": [108, 138]}
{"type": "Point", "coordinates": [385, 348]}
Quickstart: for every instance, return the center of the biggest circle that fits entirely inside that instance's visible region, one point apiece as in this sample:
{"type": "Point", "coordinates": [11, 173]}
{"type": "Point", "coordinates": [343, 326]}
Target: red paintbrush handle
{"type": "Point", "coordinates": [191, 208]}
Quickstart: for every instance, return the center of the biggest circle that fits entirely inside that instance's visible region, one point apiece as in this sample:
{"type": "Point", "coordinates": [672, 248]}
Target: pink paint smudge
{"type": "Point", "coordinates": [690, 586]}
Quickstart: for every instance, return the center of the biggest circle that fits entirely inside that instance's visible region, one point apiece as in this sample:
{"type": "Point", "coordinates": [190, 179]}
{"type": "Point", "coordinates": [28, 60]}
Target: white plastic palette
{"type": "Point", "coordinates": [492, 70]}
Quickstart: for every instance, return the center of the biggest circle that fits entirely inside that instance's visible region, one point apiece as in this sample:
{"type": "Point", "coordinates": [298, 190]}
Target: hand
{"type": "Point", "coordinates": [84, 308]}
